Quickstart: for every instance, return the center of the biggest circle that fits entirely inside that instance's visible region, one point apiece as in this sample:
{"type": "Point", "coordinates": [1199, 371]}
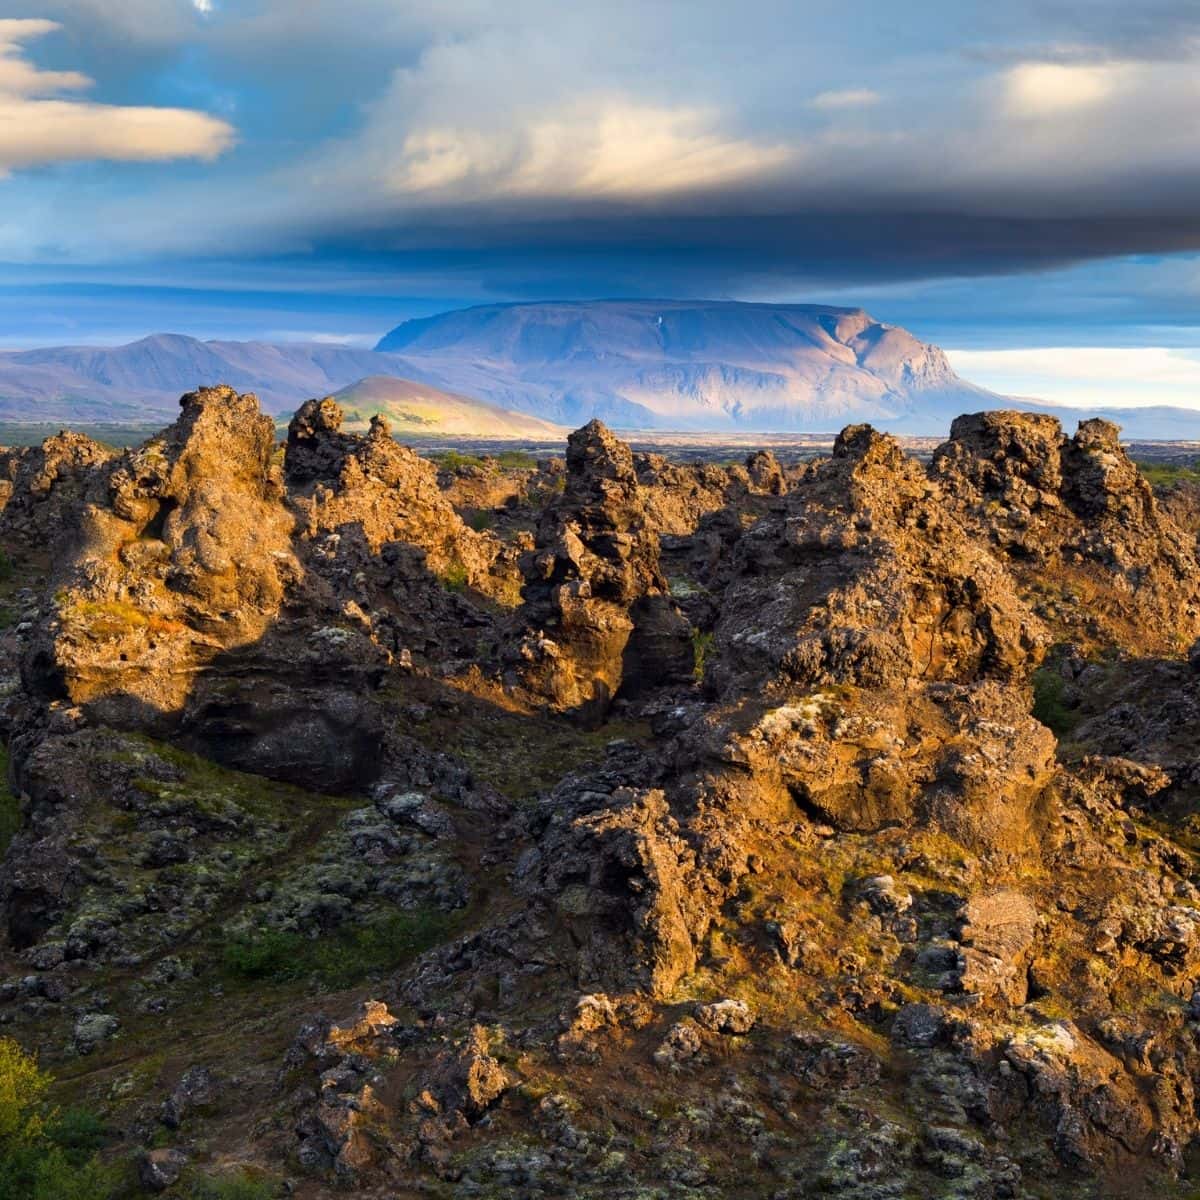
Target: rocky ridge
{"type": "Point", "coordinates": [692, 831]}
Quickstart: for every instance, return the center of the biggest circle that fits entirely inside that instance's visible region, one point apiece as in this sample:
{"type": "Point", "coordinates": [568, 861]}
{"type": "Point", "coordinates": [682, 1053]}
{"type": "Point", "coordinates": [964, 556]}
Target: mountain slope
{"type": "Point", "coordinates": [691, 364]}
{"type": "Point", "coordinates": [414, 408]}
{"type": "Point", "coordinates": [147, 377]}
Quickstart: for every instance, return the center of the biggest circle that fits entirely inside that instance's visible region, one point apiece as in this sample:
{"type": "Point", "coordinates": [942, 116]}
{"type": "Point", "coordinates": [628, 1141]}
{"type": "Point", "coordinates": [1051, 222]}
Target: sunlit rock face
{"type": "Point", "coordinates": [183, 551]}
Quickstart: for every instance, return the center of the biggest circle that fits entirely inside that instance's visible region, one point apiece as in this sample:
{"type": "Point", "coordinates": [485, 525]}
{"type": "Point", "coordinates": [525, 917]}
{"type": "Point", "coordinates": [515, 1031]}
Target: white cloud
{"type": "Point", "coordinates": [1086, 375]}
{"type": "Point", "coordinates": [203, 6]}
{"type": "Point", "coordinates": [37, 127]}
{"type": "Point", "coordinates": [603, 148]}
{"type": "Point", "coordinates": [1040, 89]}
{"type": "Point", "coordinates": [845, 98]}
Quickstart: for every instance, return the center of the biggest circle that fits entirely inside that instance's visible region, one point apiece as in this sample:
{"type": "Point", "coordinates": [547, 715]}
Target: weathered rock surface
{"type": "Point", "coordinates": [1077, 524]}
{"type": "Point", "coordinates": [42, 488]}
{"type": "Point", "coordinates": [866, 578]}
{"type": "Point", "coordinates": [182, 552]}
{"type": "Point", "coordinates": [738, 831]}
{"type": "Point", "coordinates": [594, 594]}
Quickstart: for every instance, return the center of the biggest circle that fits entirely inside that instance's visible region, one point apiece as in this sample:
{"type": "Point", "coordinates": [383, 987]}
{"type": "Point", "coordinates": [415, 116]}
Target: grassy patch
{"type": "Point", "coordinates": [481, 521]}
{"type": "Point", "coordinates": [516, 460]}
{"type": "Point", "coordinates": [339, 959]}
{"type": "Point", "coordinates": [1168, 475]}
{"type": "Point", "coordinates": [518, 754]}
{"type": "Point", "coordinates": [221, 791]}
{"type": "Point", "coordinates": [240, 1185]}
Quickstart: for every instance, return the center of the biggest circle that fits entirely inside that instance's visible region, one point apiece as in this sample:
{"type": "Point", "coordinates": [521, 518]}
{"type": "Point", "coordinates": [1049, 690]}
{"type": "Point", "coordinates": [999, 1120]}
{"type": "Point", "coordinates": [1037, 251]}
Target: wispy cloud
{"type": "Point", "coordinates": [845, 98]}
{"type": "Point", "coordinates": [600, 149]}
{"type": "Point", "coordinates": [38, 127]}
{"type": "Point", "coordinates": [538, 136]}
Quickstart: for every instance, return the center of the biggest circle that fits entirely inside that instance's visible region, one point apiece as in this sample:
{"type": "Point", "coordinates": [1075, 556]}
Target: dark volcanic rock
{"type": "Point", "coordinates": [1073, 518]}
{"type": "Point", "coordinates": [593, 585]}
{"type": "Point", "coordinates": [731, 833]}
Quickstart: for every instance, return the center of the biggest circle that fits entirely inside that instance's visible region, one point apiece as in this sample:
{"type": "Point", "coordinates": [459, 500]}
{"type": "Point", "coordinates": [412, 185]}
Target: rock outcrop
{"type": "Point", "coordinates": [42, 488]}
{"type": "Point", "coordinates": [697, 830]}
{"type": "Point", "coordinates": [183, 552]}
{"type": "Point", "coordinates": [593, 587]}
{"type": "Point", "coordinates": [1077, 525]}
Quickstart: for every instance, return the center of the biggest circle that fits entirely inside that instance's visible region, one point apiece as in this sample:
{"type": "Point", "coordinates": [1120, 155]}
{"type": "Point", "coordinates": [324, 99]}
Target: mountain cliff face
{"type": "Point", "coordinates": [680, 831]}
{"type": "Point", "coordinates": [690, 364]}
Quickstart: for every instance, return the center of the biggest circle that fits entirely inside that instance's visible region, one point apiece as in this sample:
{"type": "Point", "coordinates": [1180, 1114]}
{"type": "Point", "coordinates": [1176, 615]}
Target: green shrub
{"type": "Point", "coordinates": [340, 958]}
{"type": "Point", "coordinates": [268, 955]}
{"type": "Point", "coordinates": [702, 648]}
{"type": "Point", "coordinates": [516, 460]}
{"type": "Point", "coordinates": [1048, 705]}
{"type": "Point", "coordinates": [452, 460]}
{"type": "Point", "coordinates": [78, 1133]}
{"type": "Point", "coordinates": [44, 1154]}
{"type": "Point", "coordinates": [454, 578]}
{"type": "Point", "coordinates": [481, 520]}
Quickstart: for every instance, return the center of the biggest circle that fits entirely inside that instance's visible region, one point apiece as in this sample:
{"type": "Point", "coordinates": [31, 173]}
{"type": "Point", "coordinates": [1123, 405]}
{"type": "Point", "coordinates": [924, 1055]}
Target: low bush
{"type": "Point", "coordinates": [340, 958]}
{"type": "Point", "coordinates": [454, 578]}
{"type": "Point", "coordinates": [516, 460]}
{"type": "Point", "coordinates": [453, 460]}
{"type": "Point", "coordinates": [46, 1154]}
{"type": "Point", "coordinates": [1048, 704]}
{"type": "Point", "coordinates": [702, 649]}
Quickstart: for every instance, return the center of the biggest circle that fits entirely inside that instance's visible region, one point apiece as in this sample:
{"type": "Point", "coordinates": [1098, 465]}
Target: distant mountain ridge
{"type": "Point", "coordinates": [669, 364]}
{"type": "Point", "coordinates": [146, 378]}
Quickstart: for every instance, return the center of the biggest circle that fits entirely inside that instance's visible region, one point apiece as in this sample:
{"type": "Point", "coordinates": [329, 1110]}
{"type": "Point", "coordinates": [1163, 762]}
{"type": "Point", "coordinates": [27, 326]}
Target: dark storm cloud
{"type": "Point", "coordinates": [537, 148]}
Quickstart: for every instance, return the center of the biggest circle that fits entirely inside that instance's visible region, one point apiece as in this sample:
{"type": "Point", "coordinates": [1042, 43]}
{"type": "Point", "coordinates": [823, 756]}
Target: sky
{"type": "Point", "coordinates": [1018, 183]}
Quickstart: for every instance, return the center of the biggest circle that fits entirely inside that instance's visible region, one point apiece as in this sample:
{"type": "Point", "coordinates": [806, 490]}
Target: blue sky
{"type": "Point", "coordinates": [1003, 180]}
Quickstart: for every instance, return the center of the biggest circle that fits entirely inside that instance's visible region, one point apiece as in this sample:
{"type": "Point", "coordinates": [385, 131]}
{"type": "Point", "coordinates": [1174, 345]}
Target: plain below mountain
{"type": "Point", "coordinates": [415, 409]}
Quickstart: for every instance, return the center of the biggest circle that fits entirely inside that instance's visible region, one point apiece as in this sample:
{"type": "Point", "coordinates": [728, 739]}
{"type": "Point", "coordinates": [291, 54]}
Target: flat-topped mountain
{"type": "Point", "coordinates": [683, 364]}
